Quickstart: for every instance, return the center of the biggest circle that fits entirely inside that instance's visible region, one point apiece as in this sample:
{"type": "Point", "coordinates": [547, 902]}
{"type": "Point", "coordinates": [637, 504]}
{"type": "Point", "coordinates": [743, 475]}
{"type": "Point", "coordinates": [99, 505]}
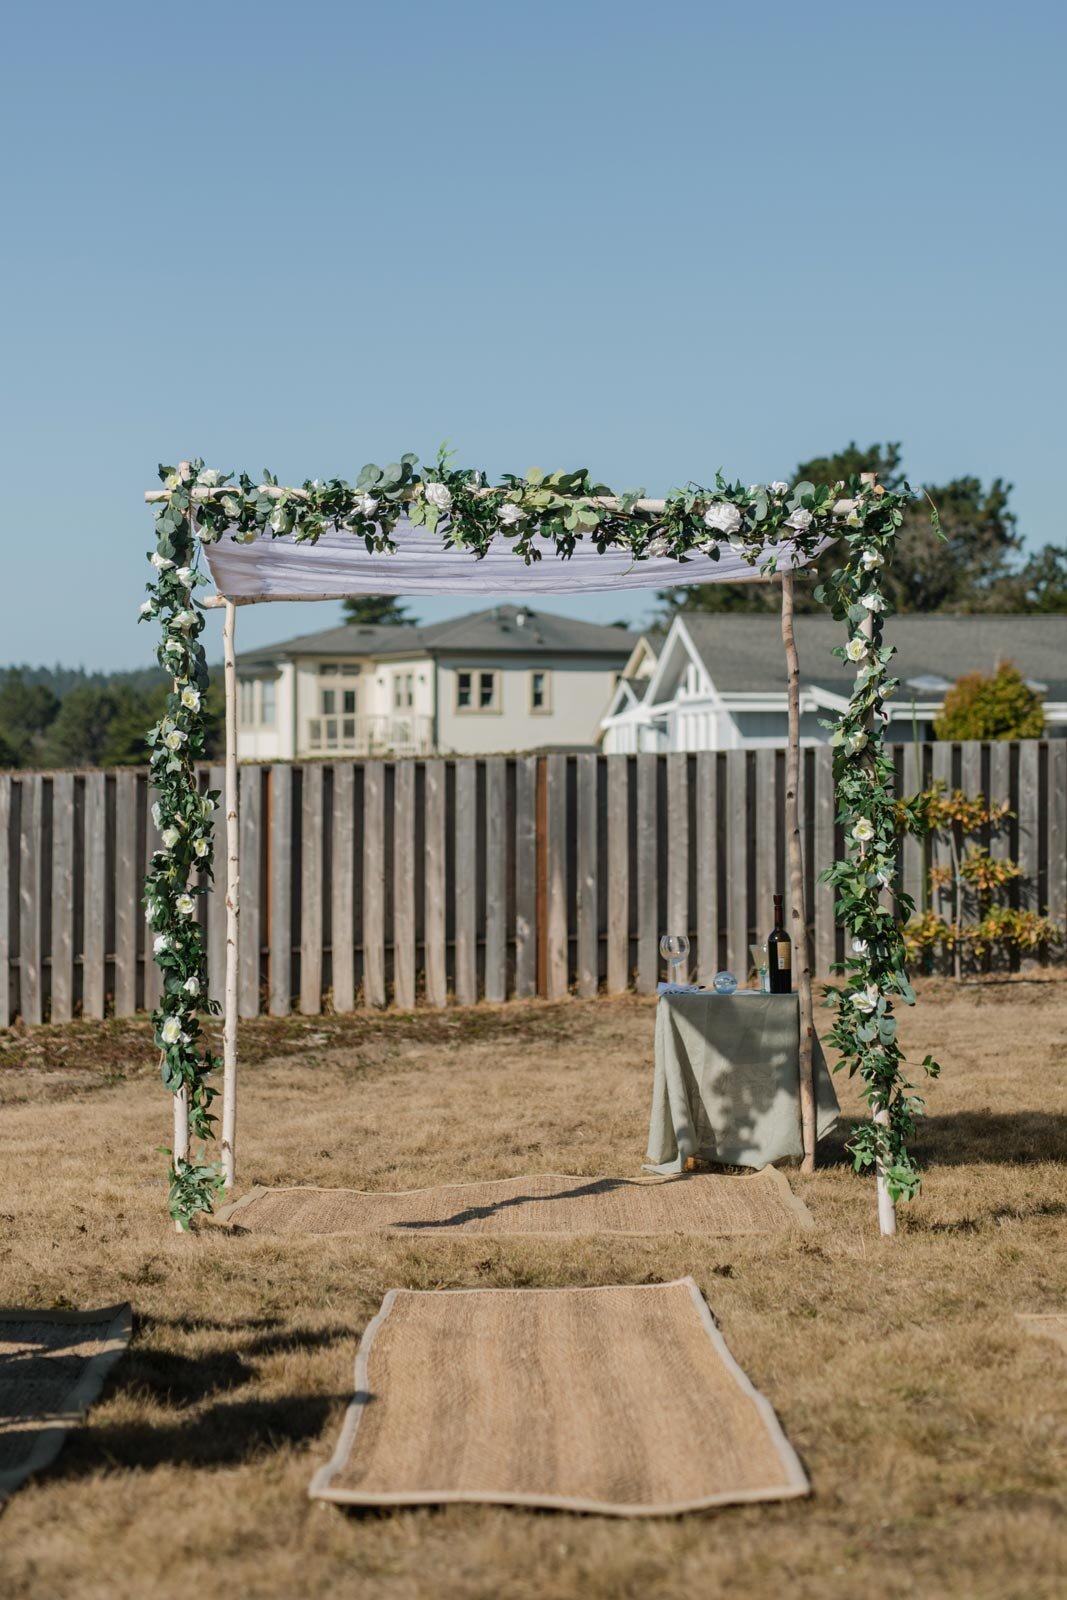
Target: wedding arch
{"type": "Point", "coordinates": [444, 529]}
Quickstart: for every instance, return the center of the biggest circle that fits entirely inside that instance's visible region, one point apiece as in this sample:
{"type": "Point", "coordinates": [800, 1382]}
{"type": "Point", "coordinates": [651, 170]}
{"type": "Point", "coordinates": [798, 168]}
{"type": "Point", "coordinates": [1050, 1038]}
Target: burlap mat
{"type": "Point", "coordinates": [623, 1400]}
{"type": "Point", "coordinates": [52, 1367]}
{"type": "Point", "coordinates": [545, 1205]}
{"type": "Point", "coordinates": [1045, 1324]}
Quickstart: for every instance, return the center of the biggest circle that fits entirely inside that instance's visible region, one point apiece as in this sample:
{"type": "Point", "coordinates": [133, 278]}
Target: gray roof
{"type": "Point", "coordinates": [497, 630]}
{"type": "Point", "coordinates": [744, 653]}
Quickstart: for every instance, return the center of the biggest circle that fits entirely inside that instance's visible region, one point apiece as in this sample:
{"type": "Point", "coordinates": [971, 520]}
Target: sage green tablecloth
{"type": "Point", "coordinates": [727, 1085]}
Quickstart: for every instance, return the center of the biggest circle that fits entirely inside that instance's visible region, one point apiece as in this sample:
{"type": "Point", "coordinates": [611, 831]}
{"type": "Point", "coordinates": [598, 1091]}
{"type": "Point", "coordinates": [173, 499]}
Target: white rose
{"type": "Point", "coordinates": [170, 837]}
{"type": "Point", "coordinates": [853, 520]}
{"type": "Point", "coordinates": [185, 905]}
{"type": "Point", "coordinates": [170, 481]}
{"type": "Point", "coordinates": [859, 947]}
{"type": "Point", "coordinates": [866, 999]}
{"type": "Point", "coordinates": [366, 505]}
{"type": "Point", "coordinates": [799, 520]}
{"type": "Point", "coordinates": [872, 559]}
{"type": "Point", "coordinates": [856, 742]}
{"type": "Point", "coordinates": [778, 487]}
{"type": "Point", "coordinates": [171, 1031]}
{"type": "Point", "coordinates": [873, 602]}
{"type": "Point", "coordinates": [185, 620]}
{"type": "Point", "coordinates": [209, 475]}
{"type": "Point", "coordinates": [191, 985]}
{"type": "Point", "coordinates": [207, 807]}
{"type": "Point", "coordinates": [244, 536]}
{"type": "Point", "coordinates": [510, 513]}
{"type": "Point", "coordinates": [863, 832]}
{"type": "Point", "coordinates": [659, 546]}
{"type": "Point", "coordinates": [156, 813]}
{"type": "Point", "coordinates": [201, 847]}
{"type": "Point", "coordinates": [723, 517]}
{"type": "Point", "coordinates": [160, 943]}
{"type": "Point", "coordinates": [191, 698]}
{"type": "Point", "coordinates": [231, 506]}
{"type": "Point", "coordinates": [856, 648]}
{"type": "Point", "coordinates": [439, 495]}
{"type": "Point", "coordinates": [146, 608]}
{"type": "Point", "coordinates": [185, 575]}
{"type": "Point", "coordinates": [161, 563]}
{"type": "Point", "coordinates": [174, 739]}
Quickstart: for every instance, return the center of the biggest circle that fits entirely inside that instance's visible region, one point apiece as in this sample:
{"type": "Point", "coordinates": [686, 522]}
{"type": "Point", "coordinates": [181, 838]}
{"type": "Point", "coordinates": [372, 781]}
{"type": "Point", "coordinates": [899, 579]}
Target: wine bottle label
{"type": "Point", "coordinates": [783, 956]}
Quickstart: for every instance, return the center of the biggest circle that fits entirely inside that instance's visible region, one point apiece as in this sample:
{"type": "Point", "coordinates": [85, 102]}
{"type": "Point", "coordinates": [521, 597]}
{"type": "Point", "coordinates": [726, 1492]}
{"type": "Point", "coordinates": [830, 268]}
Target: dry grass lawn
{"type": "Point", "coordinates": [933, 1428]}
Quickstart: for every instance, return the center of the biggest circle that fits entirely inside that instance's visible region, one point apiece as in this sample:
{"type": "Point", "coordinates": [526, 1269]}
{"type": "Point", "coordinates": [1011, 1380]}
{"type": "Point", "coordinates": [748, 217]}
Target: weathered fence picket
{"type": "Point", "coordinates": [411, 882]}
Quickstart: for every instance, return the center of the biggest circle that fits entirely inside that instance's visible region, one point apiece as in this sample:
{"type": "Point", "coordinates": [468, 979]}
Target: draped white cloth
{"type": "Point", "coordinates": [339, 564]}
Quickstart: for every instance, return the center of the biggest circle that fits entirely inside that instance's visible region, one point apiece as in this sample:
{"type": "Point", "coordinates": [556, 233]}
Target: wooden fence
{"type": "Point", "coordinates": [429, 880]}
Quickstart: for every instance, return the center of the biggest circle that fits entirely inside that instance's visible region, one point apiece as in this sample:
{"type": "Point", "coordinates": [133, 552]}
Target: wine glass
{"type": "Point", "coordinates": [674, 948]}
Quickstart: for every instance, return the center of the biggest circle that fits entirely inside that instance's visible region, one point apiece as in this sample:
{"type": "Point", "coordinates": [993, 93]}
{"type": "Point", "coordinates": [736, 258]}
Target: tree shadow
{"type": "Point", "coordinates": [209, 1423]}
{"type": "Point", "coordinates": [970, 1138]}
{"type": "Point", "coordinates": [228, 1433]}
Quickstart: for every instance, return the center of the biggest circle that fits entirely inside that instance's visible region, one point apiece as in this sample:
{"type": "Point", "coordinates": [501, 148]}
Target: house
{"type": "Point", "coordinates": [718, 682]}
{"type": "Point", "coordinates": [508, 678]}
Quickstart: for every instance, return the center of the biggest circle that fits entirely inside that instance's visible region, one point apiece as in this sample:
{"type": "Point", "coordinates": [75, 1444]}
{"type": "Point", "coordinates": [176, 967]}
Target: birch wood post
{"type": "Point", "coordinates": [233, 869]}
{"type": "Point", "coordinates": [798, 910]}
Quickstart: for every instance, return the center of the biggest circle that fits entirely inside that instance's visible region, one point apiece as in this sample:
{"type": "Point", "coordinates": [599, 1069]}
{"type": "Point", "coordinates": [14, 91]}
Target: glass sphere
{"type": "Point", "coordinates": [724, 983]}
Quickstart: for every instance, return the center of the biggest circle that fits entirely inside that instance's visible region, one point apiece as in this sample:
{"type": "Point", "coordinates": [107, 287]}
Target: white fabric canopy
{"type": "Point", "coordinates": [339, 564]}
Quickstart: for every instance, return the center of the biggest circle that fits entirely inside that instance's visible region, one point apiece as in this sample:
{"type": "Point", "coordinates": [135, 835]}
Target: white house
{"type": "Point", "coordinates": [718, 682]}
{"type": "Point", "coordinates": [509, 678]}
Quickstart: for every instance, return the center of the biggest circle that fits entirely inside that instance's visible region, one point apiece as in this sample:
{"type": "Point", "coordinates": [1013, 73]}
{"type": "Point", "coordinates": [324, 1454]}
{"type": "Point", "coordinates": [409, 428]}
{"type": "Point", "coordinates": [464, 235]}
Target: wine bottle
{"type": "Point", "coordinates": [779, 954]}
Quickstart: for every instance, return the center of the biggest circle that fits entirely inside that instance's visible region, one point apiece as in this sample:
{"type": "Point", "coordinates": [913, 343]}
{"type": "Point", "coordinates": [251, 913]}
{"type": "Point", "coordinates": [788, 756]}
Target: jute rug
{"type": "Point", "coordinates": [52, 1367]}
{"type": "Point", "coordinates": [546, 1205]}
{"type": "Point", "coordinates": [621, 1400]}
{"type": "Point", "coordinates": [1045, 1324]}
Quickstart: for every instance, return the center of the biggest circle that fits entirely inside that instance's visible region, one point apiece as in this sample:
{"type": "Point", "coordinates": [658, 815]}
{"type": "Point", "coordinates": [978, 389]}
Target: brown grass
{"type": "Point", "coordinates": [933, 1428]}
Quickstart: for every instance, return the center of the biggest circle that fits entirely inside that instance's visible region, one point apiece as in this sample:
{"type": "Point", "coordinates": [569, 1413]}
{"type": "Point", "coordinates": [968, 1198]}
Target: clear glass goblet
{"type": "Point", "coordinates": [674, 948]}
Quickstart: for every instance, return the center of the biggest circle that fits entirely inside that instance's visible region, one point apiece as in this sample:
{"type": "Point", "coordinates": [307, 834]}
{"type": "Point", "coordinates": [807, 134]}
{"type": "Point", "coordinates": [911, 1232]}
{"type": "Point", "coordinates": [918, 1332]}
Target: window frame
{"type": "Point", "coordinates": [476, 674]}
{"type": "Point", "coordinates": [545, 709]}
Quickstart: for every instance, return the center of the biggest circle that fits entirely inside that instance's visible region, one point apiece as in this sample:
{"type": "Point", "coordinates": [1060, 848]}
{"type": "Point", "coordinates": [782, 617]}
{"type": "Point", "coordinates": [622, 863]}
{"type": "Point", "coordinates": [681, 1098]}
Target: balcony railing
{"type": "Point", "coordinates": [387, 735]}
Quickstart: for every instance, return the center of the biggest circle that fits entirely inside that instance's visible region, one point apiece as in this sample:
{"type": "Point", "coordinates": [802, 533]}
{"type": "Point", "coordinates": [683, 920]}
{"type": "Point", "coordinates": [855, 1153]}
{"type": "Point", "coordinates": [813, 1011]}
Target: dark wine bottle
{"type": "Point", "coordinates": [779, 954]}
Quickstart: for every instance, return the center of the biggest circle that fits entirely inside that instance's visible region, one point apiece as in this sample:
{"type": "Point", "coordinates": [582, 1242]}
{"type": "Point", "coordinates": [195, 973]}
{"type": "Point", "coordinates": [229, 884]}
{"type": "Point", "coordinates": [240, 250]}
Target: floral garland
{"type": "Point", "coordinates": [183, 818]}
{"type": "Point", "coordinates": [200, 506]}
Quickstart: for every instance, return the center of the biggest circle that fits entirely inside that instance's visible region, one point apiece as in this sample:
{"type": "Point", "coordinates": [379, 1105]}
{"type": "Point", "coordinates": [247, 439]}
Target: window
{"type": "Point", "coordinates": [327, 701]}
{"type": "Point", "coordinates": [477, 691]}
{"type": "Point", "coordinates": [540, 698]}
{"type": "Point", "coordinates": [348, 700]}
{"type": "Point", "coordinates": [248, 703]}
{"type": "Point", "coordinates": [257, 702]}
{"type": "Point", "coordinates": [403, 691]}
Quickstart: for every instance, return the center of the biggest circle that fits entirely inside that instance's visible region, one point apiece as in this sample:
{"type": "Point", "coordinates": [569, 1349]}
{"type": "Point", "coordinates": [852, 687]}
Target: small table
{"type": "Point", "coordinates": [727, 1084]}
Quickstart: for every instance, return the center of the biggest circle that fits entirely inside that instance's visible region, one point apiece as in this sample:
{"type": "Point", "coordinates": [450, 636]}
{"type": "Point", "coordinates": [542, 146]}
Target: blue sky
{"type": "Point", "coordinates": [648, 239]}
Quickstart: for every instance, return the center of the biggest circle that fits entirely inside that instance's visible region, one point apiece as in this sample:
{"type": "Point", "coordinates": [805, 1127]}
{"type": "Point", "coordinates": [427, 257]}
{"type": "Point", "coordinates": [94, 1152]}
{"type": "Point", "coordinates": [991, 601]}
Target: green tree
{"type": "Point", "coordinates": [1040, 585]}
{"type": "Point", "coordinates": [78, 735]}
{"type": "Point", "coordinates": [376, 609]}
{"type": "Point", "coordinates": [1001, 706]}
{"type": "Point", "coordinates": [969, 570]}
{"type": "Point", "coordinates": [26, 711]}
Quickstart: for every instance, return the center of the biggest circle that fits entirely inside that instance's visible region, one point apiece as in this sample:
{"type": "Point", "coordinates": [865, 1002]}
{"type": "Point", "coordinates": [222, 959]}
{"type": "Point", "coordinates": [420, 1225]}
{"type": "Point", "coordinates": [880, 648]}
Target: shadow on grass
{"type": "Point", "coordinates": [208, 1424]}
{"type": "Point", "coordinates": [969, 1138]}
{"type": "Point", "coordinates": [228, 1433]}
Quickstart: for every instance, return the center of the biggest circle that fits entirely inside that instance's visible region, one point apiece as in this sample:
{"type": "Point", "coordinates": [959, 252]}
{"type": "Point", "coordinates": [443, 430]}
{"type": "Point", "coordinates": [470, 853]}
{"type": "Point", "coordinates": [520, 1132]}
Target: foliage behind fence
{"type": "Point", "coordinates": [425, 881]}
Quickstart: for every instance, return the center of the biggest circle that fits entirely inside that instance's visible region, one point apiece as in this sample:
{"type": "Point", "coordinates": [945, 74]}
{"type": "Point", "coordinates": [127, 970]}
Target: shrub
{"type": "Point", "coordinates": [1002, 706]}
